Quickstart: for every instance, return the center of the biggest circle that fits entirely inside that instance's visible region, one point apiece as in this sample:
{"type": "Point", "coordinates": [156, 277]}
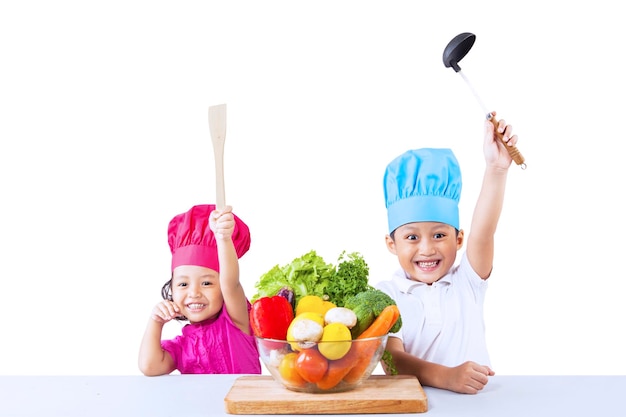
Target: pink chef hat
{"type": "Point", "coordinates": [192, 242]}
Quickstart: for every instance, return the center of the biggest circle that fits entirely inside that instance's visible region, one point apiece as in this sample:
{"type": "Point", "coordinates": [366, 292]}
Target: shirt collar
{"type": "Point", "coordinates": [407, 285]}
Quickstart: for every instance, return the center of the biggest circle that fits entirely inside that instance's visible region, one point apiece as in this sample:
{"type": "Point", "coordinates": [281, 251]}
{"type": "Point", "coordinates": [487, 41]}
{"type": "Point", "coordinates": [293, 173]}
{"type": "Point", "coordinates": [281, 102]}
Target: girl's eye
{"type": "Point", "coordinates": [182, 284]}
{"type": "Point", "coordinates": [206, 283]}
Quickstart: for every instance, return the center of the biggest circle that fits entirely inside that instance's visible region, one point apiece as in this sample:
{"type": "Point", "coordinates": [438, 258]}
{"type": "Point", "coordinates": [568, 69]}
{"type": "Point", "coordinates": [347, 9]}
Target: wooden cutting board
{"type": "Point", "coordinates": [380, 394]}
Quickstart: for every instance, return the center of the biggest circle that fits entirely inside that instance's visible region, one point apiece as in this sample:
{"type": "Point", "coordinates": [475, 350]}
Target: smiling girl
{"type": "Point", "coordinates": [204, 289]}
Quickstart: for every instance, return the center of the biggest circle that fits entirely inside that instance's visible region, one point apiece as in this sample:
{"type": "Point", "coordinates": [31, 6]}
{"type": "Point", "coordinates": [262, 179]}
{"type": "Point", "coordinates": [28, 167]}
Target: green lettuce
{"type": "Point", "coordinates": [311, 275]}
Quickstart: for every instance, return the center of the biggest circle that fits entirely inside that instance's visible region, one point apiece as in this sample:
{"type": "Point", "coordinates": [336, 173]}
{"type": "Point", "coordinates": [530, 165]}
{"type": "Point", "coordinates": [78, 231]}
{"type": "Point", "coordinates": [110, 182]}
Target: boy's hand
{"type": "Point", "coordinates": [165, 311]}
{"type": "Point", "coordinates": [469, 377]}
{"type": "Point", "coordinates": [496, 154]}
{"type": "Point", "coordinates": [222, 223]}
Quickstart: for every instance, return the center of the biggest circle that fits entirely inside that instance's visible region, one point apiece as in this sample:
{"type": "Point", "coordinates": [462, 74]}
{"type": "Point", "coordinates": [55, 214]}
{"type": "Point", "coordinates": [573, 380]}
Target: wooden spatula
{"type": "Point", "coordinates": [217, 125]}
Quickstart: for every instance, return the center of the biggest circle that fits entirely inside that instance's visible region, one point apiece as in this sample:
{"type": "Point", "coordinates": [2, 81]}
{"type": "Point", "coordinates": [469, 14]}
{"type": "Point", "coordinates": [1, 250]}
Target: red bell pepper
{"type": "Point", "coordinates": [270, 317]}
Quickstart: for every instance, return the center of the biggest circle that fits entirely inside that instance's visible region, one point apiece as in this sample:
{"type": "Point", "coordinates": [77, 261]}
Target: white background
{"type": "Point", "coordinates": [104, 137]}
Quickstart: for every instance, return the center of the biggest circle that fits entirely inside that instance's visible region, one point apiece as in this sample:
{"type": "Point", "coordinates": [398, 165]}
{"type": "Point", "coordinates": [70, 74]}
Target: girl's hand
{"type": "Point", "coordinates": [165, 311]}
{"type": "Point", "coordinates": [222, 223]}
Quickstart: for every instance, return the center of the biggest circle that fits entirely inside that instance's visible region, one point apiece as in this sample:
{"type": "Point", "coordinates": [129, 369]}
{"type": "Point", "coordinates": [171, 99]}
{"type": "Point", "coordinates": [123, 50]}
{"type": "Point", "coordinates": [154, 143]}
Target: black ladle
{"type": "Point", "coordinates": [455, 51]}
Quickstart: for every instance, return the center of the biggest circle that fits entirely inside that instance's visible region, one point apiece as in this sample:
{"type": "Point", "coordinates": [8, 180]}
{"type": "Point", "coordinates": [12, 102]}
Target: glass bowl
{"type": "Point", "coordinates": [321, 367]}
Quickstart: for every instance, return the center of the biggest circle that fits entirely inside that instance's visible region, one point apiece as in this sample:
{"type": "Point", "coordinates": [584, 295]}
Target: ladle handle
{"type": "Point", "coordinates": [513, 151]}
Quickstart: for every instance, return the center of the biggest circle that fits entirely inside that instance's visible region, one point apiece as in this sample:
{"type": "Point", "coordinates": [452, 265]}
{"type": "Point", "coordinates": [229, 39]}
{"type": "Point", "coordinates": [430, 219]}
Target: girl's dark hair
{"type": "Point", "coordinates": [166, 290]}
{"type": "Point", "coordinates": [166, 293]}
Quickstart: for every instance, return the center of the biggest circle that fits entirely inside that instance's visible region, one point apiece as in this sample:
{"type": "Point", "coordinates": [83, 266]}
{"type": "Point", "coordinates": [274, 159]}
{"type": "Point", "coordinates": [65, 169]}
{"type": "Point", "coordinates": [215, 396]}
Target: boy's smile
{"type": "Point", "coordinates": [427, 265]}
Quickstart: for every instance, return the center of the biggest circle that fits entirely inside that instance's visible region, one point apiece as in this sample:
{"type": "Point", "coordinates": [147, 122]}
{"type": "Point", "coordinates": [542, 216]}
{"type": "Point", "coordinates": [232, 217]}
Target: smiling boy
{"type": "Point", "coordinates": [442, 340]}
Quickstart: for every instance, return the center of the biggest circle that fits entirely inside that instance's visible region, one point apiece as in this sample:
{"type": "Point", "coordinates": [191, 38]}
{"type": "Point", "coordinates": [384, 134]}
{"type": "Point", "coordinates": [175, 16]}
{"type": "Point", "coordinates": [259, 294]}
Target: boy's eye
{"type": "Point", "coordinates": [412, 237]}
{"type": "Point", "coordinates": [439, 235]}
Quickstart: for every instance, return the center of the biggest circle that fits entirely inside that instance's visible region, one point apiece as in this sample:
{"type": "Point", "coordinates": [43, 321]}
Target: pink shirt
{"type": "Point", "coordinates": [214, 346]}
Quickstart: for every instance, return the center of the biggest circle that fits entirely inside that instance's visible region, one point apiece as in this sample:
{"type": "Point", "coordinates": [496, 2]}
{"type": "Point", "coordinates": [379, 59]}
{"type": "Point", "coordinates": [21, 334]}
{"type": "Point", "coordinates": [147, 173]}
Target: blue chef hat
{"type": "Point", "coordinates": [423, 185]}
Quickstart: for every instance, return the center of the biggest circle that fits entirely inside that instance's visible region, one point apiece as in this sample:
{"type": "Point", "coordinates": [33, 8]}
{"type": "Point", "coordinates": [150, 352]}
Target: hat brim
{"type": "Point", "coordinates": [423, 209]}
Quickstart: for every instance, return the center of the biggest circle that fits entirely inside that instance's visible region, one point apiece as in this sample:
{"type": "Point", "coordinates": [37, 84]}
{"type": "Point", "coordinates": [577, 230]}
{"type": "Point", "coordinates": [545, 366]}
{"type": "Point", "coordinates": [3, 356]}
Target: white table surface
{"type": "Point", "coordinates": [203, 395]}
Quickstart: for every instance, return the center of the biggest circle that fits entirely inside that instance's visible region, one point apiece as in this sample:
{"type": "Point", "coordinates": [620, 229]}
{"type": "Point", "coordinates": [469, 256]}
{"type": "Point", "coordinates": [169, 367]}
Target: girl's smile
{"type": "Point", "coordinates": [195, 307]}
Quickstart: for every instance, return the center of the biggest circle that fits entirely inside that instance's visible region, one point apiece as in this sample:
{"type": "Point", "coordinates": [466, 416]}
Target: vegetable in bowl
{"type": "Point", "coordinates": [367, 305]}
{"type": "Point", "coordinates": [310, 274]}
{"type": "Point", "coordinates": [324, 357]}
{"type": "Point", "coordinates": [311, 285]}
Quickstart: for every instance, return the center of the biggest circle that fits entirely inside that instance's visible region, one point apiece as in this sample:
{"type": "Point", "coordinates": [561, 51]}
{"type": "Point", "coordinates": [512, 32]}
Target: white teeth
{"type": "Point", "coordinates": [195, 306]}
{"type": "Point", "coordinates": [427, 264]}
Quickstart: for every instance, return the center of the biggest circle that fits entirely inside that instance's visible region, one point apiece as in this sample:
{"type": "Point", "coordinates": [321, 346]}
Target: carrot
{"type": "Point", "coordinates": [382, 323]}
{"type": "Point", "coordinates": [364, 350]}
{"type": "Point", "coordinates": [337, 369]}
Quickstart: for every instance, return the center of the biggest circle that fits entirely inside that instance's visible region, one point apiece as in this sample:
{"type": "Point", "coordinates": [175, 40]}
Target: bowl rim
{"type": "Point", "coordinates": [365, 339]}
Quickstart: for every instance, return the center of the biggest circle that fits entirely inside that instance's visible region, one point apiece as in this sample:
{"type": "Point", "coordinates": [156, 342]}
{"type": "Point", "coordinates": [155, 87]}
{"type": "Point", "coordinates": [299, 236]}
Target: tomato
{"type": "Point", "coordinates": [287, 369]}
{"type": "Point", "coordinates": [311, 364]}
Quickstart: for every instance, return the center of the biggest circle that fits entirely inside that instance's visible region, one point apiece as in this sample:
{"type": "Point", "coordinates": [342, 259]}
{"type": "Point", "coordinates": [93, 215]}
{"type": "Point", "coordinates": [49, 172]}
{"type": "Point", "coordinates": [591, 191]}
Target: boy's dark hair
{"type": "Point", "coordinates": [393, 237]}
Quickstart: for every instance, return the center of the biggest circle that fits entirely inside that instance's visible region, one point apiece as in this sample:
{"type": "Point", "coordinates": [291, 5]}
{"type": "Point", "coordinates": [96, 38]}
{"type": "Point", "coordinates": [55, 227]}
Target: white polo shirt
{"type": "Point", "coordinates": [443, 322]}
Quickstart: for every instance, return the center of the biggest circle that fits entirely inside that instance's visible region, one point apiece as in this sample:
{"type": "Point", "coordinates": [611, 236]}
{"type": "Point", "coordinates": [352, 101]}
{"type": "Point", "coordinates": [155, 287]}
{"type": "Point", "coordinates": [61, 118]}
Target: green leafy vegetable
{"type": "Point", "coordinates": [306, 275]}
{"type": "Point", "coordinates": [351, 278]}
{"type": "Point", "coordinates": [311, 275]}
{"type": "Point", "coordinates": [387, 359]}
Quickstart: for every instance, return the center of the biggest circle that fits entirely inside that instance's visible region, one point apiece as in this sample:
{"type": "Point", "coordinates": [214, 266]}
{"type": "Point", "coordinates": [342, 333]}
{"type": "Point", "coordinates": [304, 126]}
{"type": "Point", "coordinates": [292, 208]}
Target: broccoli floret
{"type": "Point", "coordinates": [367, 305]}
